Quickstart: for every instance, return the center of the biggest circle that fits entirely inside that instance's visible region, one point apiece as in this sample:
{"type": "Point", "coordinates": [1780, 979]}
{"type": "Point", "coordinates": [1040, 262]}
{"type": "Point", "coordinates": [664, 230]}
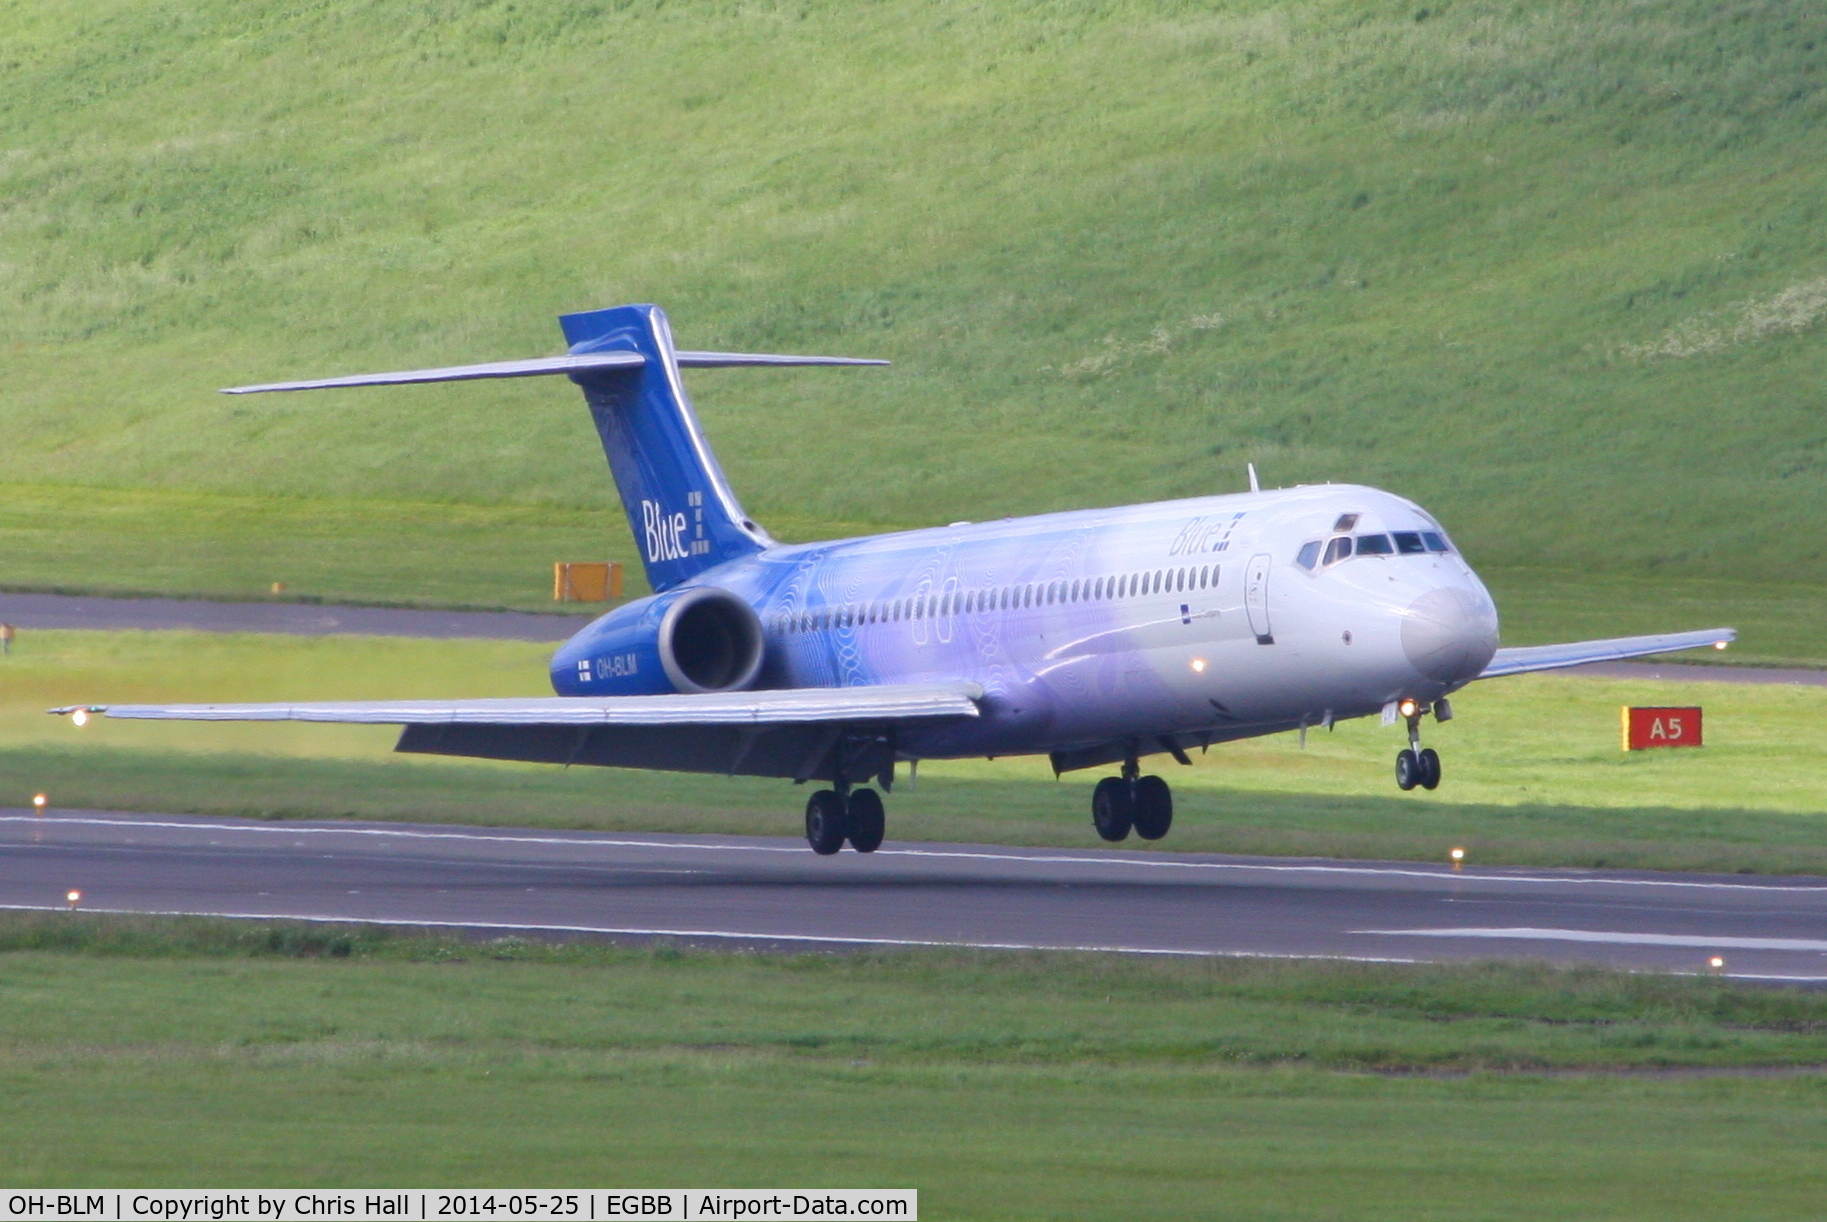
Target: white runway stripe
{"type": "Point", "coordinates": [629, 932]}
{"type": "Point", "coordinates": [1161, 862]}
{"type": "Point", "coordinates": [1524, 933]}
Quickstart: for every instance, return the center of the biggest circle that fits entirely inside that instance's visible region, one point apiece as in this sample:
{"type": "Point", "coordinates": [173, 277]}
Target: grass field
{"type": "Point", "coordinates": [1534, 770]}
{"type": "Point", "coordinates": [1556, 271]}
{"type": "Point", "coordinates": [1001, 1086]}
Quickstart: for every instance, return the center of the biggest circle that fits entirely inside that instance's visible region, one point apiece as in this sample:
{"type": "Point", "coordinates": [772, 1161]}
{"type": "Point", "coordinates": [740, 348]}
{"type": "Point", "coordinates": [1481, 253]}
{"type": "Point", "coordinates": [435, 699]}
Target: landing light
{"type": "Point", "coordinates": [1199, 666]}
{"type": "Point", "coordinates": [1407, 708]}
{"type": "Point", "coordinates": [1458, 856]}
{"type": "Point", "coordinates": [80, 717]}
{"type": "Point", "coordinates": [73, 898]}
{"type": "Point", "coordinates": [38, 801]}
{"type": "Point", "coordinates": [1719, 644]}
{"type": "Point", "coordinates": [1717, 963]}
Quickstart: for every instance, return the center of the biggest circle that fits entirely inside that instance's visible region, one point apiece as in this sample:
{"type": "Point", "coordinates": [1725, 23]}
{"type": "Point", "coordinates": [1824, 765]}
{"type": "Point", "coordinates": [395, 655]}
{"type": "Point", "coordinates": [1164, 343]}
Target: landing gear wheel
{"type": "Point", "coordinates": [1112, 809]}
{"type": "Point", "coordinates": [1154, 808]}
{"type": "Point", "coordinates": [1408, 769]}
{"type": "Point", "coordinates": [825, 822]}
{"type": "Point", "coordinates": [1430, 768]}
{"type": "Point", "coordinates": [868, 821]}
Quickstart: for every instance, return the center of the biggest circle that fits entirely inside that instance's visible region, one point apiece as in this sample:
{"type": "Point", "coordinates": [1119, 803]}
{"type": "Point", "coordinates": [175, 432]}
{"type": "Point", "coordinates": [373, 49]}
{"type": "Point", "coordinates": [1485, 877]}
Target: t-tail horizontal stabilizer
{"type": "Point", "coordinates": [680, 508]}
{"type": "Point", "coordinates": [541, 366]}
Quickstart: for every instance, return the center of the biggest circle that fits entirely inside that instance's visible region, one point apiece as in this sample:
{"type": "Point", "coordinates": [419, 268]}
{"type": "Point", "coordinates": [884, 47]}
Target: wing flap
{"type": "Point", "coordinates": [1528, 658]}
{"type": "Point", "coordinates": [796, 706]}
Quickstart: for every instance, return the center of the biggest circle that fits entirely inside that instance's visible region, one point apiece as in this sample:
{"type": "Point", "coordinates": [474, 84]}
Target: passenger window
{"type": "Point", "coordinates": [1434, 542]}
{"type": "Point", "coordinates": [1337, 550]}
{"type": "Point", "coordinates": [1409, 543]}
{"type": "Point", "coordinates": [1374, 545]}
{"type": "Point", "coordinates": [1309, 555]}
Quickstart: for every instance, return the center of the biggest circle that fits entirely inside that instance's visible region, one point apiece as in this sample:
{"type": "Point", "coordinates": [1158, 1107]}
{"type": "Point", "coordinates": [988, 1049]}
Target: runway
{"type": "Point", "coordinates": [752, 891]}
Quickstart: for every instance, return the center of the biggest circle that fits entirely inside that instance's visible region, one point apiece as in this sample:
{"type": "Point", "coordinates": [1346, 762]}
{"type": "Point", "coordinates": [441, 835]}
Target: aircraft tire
{"type": "Point", "coordinates": [1430, 768]}
{"type": "Point", "coordinates": [868, 821]}
{"type": "Point", "coordinates": [1408, 769]}
{"type": "Point", "coordinates": [1154, 808]}
{"type": "Point", "coordinates": [826, 825]}
{"type": "Point", "coordinates": [1112, 809]}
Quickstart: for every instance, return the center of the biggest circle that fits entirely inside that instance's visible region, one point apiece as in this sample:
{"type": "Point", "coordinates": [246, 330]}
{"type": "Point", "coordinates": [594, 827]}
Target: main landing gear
{"type": "Point", "coordinates": [1143, 803]}
{"type": "Point", "coordinates": [1415, 764]}
{"type": "Point", "coordinates": [834, 816]}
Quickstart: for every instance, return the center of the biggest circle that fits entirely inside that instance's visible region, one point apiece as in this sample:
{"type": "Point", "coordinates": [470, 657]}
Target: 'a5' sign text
{"type": "Point", "coordinates": [1661, 727]}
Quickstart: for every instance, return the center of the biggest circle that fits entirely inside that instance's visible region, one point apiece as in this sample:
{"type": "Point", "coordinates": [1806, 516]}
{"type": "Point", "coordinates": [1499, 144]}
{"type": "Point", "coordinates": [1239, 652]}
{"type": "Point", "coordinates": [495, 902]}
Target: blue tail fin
{"type": "Point", "coordinates": [684, 516]}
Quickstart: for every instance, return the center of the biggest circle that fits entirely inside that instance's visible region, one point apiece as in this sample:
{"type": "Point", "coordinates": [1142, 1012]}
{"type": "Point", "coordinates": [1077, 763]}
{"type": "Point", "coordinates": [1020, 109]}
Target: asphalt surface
{"type": "Point", "coordinates": [732, 891]}
{"type": "Point", "coordinates": [29, 611]}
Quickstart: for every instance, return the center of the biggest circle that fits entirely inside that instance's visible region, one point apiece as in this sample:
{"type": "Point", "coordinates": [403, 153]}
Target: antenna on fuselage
{"type": "Point", "coordinates": [1254, 486]}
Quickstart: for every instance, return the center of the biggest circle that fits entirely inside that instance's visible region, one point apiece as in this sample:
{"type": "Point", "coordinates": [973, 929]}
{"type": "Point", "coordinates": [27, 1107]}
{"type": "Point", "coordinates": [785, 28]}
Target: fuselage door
{"type": "Point", "coordinates": [1256, 598]}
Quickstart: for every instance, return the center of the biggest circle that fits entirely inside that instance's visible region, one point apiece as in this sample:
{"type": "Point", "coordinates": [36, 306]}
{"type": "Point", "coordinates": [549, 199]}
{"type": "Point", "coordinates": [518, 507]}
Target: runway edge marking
{"type": "Point", "coordinates": [736, 935]}
{"type": "Point", "coordinates": [588, 839]}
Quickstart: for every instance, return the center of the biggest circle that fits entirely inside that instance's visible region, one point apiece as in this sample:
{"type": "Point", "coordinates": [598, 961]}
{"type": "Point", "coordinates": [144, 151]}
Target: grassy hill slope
{"type": "Point", "coordinates": [1558, 271]}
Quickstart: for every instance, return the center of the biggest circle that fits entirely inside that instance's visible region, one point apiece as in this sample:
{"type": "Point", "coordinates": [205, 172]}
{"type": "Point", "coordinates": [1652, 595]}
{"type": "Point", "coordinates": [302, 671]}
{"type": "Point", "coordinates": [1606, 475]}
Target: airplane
{"type": "Point", "coordinates": [1096, 637]}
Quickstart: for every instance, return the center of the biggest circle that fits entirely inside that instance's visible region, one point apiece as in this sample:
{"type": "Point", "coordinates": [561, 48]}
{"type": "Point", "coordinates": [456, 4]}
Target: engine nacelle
{"type": "Point", "coordinates": [701, 639]}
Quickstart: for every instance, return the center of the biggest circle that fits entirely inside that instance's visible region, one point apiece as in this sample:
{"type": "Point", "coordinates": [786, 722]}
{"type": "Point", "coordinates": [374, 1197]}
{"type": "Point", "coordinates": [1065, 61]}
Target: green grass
{"type": "Point", "coordinates": [1534, 770]}
{"type": "Point", "coordinates": [1001, 1086]}
{"type": "Point", "coordinates": [1556, 271]}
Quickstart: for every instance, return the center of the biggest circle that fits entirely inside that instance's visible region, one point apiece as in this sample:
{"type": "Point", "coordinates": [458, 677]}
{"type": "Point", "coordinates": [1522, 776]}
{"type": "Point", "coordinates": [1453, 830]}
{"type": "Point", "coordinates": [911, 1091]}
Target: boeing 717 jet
{"type": "Point", "coordinates": [1096, 637]}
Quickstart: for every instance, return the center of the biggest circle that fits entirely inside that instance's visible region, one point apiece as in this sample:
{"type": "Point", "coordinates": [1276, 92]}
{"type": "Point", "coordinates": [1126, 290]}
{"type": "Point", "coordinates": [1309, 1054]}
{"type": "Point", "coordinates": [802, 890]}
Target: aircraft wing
{"type": "Point", "coordinates": [1526, 658]}
{"type": "Point", "coordinates": [798, 706]}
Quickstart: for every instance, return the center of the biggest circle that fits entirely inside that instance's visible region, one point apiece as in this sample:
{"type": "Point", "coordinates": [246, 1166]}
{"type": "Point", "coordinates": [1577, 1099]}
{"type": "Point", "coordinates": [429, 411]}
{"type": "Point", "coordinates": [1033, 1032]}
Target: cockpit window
{"type": "Point", "coordinates": [1409, 543]}
{"type": "Point", "coordinates": [1309, 555]}
{"type": "Point", "coordinates": [1346, 522]}
{"type": "Point", "coordinates": [1337, 549]}
{"type": "Point", "coordinates": [1374, 545]}
{"type": "Point", "coordinates": [1435, 543]}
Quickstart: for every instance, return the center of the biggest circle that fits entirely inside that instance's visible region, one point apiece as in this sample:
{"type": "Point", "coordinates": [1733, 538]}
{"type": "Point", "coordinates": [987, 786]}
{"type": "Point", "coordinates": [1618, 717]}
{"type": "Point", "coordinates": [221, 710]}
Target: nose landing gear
{"type": "Point", "coordinates": [1416, 765]}
{"type": "Point", "coordinates": [1122, 803]}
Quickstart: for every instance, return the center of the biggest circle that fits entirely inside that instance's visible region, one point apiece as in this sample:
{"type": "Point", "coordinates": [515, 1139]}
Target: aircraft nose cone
{"type": "Point", "coordinates": [1449, 634]}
